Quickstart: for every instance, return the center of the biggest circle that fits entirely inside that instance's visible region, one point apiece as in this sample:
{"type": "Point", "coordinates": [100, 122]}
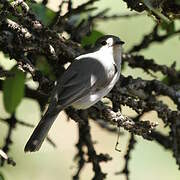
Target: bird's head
{"type": "Point", "coordinates": [109, 42]}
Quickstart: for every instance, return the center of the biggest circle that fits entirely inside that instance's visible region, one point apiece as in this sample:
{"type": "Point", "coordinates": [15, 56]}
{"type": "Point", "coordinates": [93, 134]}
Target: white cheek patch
{"type": "Point", "coordinates": [110, 41]}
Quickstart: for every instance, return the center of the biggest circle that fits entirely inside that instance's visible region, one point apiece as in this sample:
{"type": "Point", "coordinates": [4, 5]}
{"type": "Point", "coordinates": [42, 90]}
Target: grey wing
{"type": "Point", "coordinates": [81, 77]}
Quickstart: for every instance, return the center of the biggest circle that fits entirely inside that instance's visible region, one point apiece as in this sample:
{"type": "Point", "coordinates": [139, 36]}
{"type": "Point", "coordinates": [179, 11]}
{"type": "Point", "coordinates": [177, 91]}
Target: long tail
{"type": "Point", "coordinates": [35, 141]}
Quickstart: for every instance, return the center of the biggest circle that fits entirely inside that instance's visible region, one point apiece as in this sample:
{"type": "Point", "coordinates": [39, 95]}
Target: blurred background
{"type": "Point", "coordinates": [148, 160]}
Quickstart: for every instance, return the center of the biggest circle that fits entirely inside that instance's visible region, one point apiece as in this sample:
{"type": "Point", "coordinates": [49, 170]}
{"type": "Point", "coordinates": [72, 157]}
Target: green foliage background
{"type": "Point", "coordinates": [149, 161]}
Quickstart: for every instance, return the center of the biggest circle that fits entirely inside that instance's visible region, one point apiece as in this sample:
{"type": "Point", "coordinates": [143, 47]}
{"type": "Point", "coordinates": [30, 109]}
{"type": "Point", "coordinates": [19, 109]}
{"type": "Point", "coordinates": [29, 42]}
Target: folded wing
{"type": "Point", "coordinates": [82, 77]}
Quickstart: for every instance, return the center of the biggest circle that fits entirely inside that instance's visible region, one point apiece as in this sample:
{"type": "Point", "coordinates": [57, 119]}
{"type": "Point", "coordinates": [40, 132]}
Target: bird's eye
{"type": "Point", "coordinates": [103, 43]}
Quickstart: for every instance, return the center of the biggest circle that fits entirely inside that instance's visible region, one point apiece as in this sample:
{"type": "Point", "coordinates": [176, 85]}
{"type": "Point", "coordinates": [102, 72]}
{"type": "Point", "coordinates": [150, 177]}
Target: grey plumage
{"type": "Point", "coordinates": [86, 81]}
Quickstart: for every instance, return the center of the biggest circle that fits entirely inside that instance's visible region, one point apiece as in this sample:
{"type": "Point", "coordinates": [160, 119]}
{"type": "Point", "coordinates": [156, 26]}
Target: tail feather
{"type": "Point", "coordinates": [40, 133]}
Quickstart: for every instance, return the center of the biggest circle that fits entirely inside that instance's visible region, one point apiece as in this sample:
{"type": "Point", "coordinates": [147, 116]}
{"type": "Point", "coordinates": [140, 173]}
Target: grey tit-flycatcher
{"type": "Point", "coordinates": [90, 77]}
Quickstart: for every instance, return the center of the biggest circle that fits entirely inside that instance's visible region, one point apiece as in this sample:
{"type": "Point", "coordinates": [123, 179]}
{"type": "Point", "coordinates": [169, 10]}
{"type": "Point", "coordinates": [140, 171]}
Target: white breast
{"type": "Point", "coordinates": [93, 97]}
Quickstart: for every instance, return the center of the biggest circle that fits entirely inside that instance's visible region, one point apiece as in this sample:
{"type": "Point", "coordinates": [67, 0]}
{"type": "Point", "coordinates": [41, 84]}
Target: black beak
{"type": "Point", "coordinates": [119, 42]}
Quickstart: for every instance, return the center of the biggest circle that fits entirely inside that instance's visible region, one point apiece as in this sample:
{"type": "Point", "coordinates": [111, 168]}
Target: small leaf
{"type": "Point", "coordinates": [165, 80]}
{"type": "Point", "coordinates": [169, 28]}
{"type": "Point", "coordinates": [44, 14]}
{"type": "Point", "coordinates": [149, 5]}
{"type": "Point", "coordinates": [13, 90]}
{"type": "Point", "coordinates": [1, 176]}
{"type": "Point", "coordinates": [177, 2]}
{"type": "Point", "coordinates": [91, 39]}
{"type": "Point", "coordinates": [44, 67]}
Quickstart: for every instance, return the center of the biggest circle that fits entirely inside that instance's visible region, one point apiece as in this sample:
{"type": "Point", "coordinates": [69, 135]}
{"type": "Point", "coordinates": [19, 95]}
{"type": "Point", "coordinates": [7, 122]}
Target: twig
{"type": "Point", "coordinates": [131, 145]}
{"type": "Point", "coordinates": [142, 128]}
{"type": "Point", "coordinates": [87, 140]}
{"type": "Point", "coordinates": [5, 73]}
{"type": "Point", "coordinates": [138, 61]}
{"type": "Point", "coordinates": [163, 140]}
{"type": "Point", "coordinates": [4, 157]}
{"type": "Point", "coordinates": [8, 140]}
{"type": "Point", "coordinates": [152, 37]}
{"type": "Point", "coordinates": [79, 156]}
{"type": "Point", "coordinates": [118, 16]}
{"type": "Point", "coordinates": [79, 9]}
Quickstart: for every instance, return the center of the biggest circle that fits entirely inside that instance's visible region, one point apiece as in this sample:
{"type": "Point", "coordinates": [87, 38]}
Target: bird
{"type": "Point", "coordinates": [89, 78]}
